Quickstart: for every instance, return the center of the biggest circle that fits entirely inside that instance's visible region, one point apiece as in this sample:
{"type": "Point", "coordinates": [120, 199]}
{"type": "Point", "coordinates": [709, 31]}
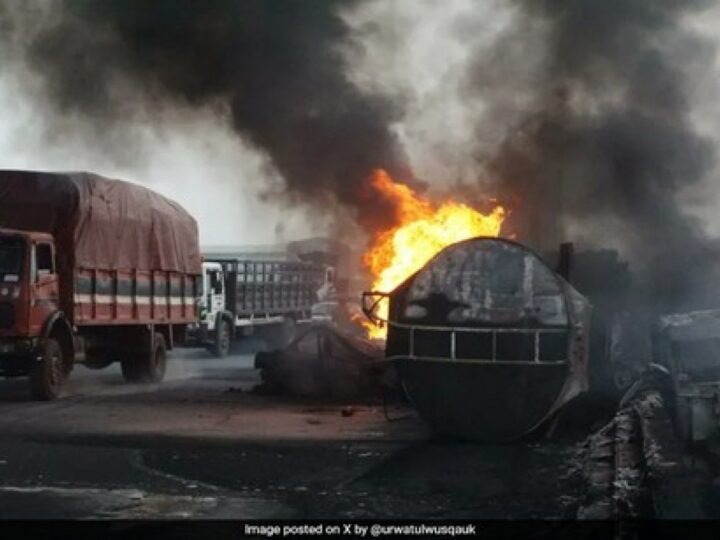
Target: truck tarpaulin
{"type": "Point", "coordinates": [101, 223]}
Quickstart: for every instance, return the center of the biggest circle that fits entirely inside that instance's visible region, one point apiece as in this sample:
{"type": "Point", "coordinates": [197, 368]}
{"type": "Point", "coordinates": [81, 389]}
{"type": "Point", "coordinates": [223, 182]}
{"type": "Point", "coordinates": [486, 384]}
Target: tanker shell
{"type": "Point", "coordinates": [488, 340]}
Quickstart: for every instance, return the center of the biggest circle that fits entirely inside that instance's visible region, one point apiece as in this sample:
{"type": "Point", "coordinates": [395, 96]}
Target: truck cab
{"type": "Point", "coordinates": [29, 285]}
{"type": "Point", "coordinates": [212, 295]}
{"type": "Point", "coordinates": [240, 294]}
{"type": "Point", "coordinates": [30, 343]}
{"type": "Point", "coordinates": [215, 326]}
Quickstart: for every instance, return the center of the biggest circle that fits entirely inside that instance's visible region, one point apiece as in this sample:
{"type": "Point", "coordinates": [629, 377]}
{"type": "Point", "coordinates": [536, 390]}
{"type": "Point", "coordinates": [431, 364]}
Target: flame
{"type": "Point", "coordinates": [423, 230]}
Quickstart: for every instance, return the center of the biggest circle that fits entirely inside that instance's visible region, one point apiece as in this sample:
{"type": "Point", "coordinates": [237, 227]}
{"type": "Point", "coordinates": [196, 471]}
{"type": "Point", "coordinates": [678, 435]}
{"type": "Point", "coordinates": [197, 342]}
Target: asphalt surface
{"type": "Point", "coordinates": [202, 445]}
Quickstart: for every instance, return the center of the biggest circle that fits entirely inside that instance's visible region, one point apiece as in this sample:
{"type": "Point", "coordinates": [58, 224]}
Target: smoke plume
{"type": "Point", "coordinates": [275, 64]}
{"type": "Point", "coordinates": [576, 113]}
{"type": "Point", "coordinates": [607, 143]}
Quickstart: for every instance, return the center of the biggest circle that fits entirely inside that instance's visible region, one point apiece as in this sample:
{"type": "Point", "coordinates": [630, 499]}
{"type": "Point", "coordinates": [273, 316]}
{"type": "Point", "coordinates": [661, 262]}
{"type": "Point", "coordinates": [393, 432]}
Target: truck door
{"type": "Point", "coordinates": [214, 295]}
{"type": "Point", "coordinates": [44, 285]}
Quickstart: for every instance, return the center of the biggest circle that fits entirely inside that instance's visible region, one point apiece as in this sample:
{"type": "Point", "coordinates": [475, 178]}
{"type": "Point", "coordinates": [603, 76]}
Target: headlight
{"type": "Point", "coordinates": [10, 291]}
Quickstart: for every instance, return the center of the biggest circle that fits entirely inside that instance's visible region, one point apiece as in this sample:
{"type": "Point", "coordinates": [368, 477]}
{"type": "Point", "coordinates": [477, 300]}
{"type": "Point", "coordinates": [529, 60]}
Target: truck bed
{"type": "Point", "coordinates": [271, 287]}
{"type": "Point", "coordinates": [134, 297]}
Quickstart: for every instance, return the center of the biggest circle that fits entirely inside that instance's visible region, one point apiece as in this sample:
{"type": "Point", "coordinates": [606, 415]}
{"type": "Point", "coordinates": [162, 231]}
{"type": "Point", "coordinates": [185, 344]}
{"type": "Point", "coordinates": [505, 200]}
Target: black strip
{"type": "Point", "coordinates": [361, 528]}
{"type": "Point", "coordinates": [103, 286]}
{"type": "Point", "coordinates": [124, 287]}
{"type": "Point", "coordinates": [143, 288]}
{"type": "Point", "coordinates": [161, 285]}
{"type": "Point", "coordinates": [83, 285]}
{"type": "Point", "coordinates": [175, 288]}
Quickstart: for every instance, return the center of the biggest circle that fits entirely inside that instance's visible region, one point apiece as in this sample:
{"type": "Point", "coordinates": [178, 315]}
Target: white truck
{"type": "Point", "coordinates": [241, 292]}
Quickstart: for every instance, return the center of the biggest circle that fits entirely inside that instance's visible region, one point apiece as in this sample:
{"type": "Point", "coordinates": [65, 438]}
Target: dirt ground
{"type": "Point", "coordinates": [202, 445]}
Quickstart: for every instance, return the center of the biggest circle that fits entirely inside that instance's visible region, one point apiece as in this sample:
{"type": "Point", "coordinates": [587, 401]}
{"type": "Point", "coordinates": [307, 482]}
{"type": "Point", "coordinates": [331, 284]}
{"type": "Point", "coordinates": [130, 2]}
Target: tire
{"type": "Point", "coordinates": [148, 367]}
{"type": "Point", "coordinates": [155, 371]}
{"type": "Point", "coordinates": [47, 375]}
{"type": "Point", "coordinates": [221, 346]}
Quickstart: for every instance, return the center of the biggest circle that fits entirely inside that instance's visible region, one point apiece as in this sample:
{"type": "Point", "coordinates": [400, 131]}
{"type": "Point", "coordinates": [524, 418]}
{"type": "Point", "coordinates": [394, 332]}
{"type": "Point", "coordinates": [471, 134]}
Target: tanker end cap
{"type": "Point", "coordinates": [495, 350]}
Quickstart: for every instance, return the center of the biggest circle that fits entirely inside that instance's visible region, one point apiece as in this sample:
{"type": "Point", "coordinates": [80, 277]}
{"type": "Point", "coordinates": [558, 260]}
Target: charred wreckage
{"type": "Point", "coordinates": [486, 340]}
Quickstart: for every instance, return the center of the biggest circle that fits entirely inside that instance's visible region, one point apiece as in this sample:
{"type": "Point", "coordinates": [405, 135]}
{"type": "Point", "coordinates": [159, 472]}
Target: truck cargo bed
{"type": "Point", "coordinates": [133, 297]}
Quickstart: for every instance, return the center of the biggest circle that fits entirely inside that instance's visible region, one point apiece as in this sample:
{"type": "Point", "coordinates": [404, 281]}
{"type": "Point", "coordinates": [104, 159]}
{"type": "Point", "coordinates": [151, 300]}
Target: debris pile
{"type": "Point", "coordinates": [326, 362]}
{"type": "Point", "coordinates": [633, 466]}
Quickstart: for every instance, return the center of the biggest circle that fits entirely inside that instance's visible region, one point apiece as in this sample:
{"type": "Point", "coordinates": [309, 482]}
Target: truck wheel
{"type": "Point", "coordinates": [148, 367]}
{"type": "Point", "coordinates": [47, 375]}
{"type": "Point", "coordinates": [221, 347]}
{"type": "Point", "coordinates": [155, 371]}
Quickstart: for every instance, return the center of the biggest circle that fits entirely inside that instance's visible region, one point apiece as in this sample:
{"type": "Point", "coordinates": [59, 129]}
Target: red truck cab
{"type": "Point", "coordinates": [29, 303]}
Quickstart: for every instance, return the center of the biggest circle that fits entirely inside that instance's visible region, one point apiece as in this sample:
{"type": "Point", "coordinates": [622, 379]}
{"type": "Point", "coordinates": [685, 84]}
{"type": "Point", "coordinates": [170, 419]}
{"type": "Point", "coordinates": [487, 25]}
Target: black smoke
{"type": "Point", "coordinates": [275, 64]}
{"type": "Point", "coordinates": [608, 141]}
{"type": "Point", "coordinates": [605, 138]}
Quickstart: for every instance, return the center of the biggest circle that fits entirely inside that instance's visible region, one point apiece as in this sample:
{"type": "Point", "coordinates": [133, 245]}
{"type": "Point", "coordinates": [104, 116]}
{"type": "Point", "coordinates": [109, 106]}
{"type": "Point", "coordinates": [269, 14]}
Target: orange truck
{"type": "Point", "coordinates": [92, 271]}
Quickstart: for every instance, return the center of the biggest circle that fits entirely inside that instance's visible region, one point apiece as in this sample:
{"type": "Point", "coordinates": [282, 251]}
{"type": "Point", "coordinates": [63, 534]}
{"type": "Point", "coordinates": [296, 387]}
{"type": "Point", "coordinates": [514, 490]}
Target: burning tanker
{"type": "Point", "coordinates": [488, 340]}
{"type": "Point", "coordinates": [422, 230]}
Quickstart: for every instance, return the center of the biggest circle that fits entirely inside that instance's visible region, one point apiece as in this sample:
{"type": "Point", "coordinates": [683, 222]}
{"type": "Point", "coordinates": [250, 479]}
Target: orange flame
{"type": "Point", "coordinates": [424, 229]}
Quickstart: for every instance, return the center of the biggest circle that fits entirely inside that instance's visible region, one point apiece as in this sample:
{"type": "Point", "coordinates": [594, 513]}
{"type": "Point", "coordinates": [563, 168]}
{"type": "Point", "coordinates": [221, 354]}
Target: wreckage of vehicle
{"type": "Point", "coordinates": [687, 344]}
{"type": "Point", "coordinates": [489, 342]}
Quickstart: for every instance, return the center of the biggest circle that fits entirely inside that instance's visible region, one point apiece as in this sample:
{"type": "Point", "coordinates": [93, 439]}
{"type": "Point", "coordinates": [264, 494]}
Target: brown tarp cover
{"type": "Point", "coordinates": [101, 223]}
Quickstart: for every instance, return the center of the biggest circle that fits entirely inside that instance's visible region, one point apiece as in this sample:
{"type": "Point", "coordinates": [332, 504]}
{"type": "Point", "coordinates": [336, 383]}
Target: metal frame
{"type": "Point", "coordinates": [453, 331]}
{"type": "Point", "coordinates": [370, 301]}
{"type": "Point", "coordinates": [273, 288]}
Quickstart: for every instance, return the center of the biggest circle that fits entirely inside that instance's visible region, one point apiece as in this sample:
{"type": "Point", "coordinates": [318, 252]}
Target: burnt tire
{"type": "Point", "coordinates": [221, 345]}
{"type": "Point", "coordinates": [48, 373]}
{"type": "Point", "coordinates": [148, 367]}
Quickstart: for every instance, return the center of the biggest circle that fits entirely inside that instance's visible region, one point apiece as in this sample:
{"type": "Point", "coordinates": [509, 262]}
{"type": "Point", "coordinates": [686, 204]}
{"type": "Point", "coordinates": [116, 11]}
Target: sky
{"type": "Point", "coordinates": [190, 156]}
{"type": "Point", "coordinates": [417, 52]}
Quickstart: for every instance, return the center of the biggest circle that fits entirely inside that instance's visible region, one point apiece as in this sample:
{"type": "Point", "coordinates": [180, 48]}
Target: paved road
{"type": "Point", "coordinates": [202, 445]}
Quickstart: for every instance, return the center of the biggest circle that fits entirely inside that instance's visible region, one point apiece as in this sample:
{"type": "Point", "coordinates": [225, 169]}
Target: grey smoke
{"type": "Point", "coordinates": [582, 108]}
{"type": "Point", "coordinates": [607, 139]}
{"type": "Point", "coordinates": [275, 65]}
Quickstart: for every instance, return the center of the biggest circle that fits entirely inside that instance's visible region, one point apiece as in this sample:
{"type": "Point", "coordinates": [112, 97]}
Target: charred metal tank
{"type": "Point", "coordinates": [489, 342]}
